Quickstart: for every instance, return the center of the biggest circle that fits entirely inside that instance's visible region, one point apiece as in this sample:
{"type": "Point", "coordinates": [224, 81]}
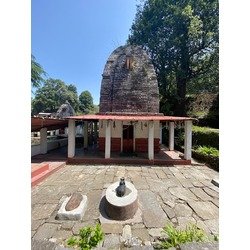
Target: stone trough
{"type": "Point", "coordinates": [73, 207]}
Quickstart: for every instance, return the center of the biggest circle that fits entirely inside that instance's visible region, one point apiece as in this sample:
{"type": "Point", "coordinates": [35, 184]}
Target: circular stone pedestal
{"type": "Point", "coordinates": [121, 208]}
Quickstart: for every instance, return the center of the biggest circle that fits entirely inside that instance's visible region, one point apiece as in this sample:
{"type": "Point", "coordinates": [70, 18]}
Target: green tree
{"type": "Point", "coordinates": [52, 95]}
{"type": "Point", "coordinates": [86, 102]}
{"type": "Point", "coordinates": [72, 88]}
{"type": "Point", "coordinates": [181, 37]}
{"type": "Point", "coordinates": [37, 73]}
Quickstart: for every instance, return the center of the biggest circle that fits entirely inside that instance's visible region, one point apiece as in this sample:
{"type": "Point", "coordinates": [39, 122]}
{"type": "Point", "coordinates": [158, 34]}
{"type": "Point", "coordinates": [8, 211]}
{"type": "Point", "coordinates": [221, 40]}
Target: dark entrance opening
{"type": "Point", "coordinates": [128, 138]}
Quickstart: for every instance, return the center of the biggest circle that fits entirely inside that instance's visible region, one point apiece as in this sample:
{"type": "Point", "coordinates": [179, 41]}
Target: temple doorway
{"type": "Point", "coordinates": [128, 138]}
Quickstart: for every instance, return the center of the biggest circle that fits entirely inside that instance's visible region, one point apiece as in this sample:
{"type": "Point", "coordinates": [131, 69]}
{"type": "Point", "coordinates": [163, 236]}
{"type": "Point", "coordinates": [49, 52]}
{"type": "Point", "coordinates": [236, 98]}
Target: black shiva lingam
{"type": "Point", "coordinates": [121, 189]}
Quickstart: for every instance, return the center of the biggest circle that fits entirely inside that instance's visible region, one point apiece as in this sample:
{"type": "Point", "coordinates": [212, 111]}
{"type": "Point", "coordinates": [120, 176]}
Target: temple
{"type": "Point", "coordinates": [129, 123]}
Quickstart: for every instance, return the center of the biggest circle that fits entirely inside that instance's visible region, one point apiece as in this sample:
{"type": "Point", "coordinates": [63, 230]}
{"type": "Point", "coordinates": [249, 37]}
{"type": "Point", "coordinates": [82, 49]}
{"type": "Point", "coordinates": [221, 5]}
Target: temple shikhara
{"type": "Point", "coordinates": [129, 123]}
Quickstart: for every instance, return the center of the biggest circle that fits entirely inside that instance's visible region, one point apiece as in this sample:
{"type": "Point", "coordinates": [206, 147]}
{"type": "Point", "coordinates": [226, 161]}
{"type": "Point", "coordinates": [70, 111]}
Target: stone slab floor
{"type": "Point", "coordinates": [174, 194]}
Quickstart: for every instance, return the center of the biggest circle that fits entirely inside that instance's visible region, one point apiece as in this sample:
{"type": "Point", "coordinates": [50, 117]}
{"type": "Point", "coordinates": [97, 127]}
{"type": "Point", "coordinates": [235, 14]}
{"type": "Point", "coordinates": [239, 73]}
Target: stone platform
{"type": "Point", "coordinates": [175, 194]}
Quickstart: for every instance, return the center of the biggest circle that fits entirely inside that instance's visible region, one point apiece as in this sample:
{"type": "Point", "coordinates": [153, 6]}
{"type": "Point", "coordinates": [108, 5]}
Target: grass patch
{"type": "Point", "coordinates": [177, 237]}
{"type": "Point", "coordinates": [205, 129]}
{"type": "Point", "coordinates": [89, 237]}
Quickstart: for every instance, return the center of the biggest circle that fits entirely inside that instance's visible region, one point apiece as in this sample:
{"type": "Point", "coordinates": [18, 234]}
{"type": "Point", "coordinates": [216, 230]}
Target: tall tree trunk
{"type": "Point", "coordinates": [183, 75]}
{"type": "Point", "coordinates": [181, 96]}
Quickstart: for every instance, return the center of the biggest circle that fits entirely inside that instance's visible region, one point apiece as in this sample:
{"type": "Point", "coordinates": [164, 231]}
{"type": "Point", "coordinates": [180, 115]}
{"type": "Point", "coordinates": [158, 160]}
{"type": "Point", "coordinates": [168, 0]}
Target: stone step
{"type": "Point", "coordinates": [38, 178]}
{"type": "Point", "coordinates": [37, 169]}
{"type": "Point", "coordinates": [53, 166]}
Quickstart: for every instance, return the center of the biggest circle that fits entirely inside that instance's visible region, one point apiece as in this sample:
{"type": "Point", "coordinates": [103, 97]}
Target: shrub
{"type": "Point", "coordinates": [89, 237]}
{"type": "Point", "coordinates": [208, 151]}
{"type": "Point", "coordinates": [201, 136]}
{"type": "Point", "coordinates": [208, 155]}
{"type": "Point", "coordinates": [177, 237]}
{"type": "Point", "coordinates": [205, 136]}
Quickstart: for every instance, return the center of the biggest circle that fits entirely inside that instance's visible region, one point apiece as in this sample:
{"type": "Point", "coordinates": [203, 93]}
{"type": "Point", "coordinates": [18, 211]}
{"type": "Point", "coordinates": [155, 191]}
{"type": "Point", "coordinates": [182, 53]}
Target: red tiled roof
{"type": "Point", "coordinates": [50, 123]}
{"type": "Point", "coordinates": [130, 118]}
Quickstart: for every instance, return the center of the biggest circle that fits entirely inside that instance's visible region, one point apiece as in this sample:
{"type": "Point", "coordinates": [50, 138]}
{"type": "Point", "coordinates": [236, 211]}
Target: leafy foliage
{"type": "Point", "coordinates": [52, 95]}
{"type": "Point", "coordinates": [208, 151]}
{"type": "Point", "coordinates": [204, 136]}
{"type": "Point", "coordinates": [86, 102]}
{"type": "Point", "coordinates": [205, 130]}
{"type": "Point", "coordinates": [177, 237]}
{"type": "Point", "coordinates": [89, 237]}
{"type": "Point", "coordinates": [182, 40]}
{"type": "Point", "coordinates": [201, 136]}
{"type": "Point", "coordinates": [37, 73]}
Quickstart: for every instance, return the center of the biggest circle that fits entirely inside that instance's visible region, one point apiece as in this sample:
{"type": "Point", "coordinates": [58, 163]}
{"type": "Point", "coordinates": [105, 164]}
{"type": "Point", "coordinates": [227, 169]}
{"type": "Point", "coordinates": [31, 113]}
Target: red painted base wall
{"type": "Point", "coordinates": [141, 145]}
{"type": "Point", "coordinates": [115, 144]}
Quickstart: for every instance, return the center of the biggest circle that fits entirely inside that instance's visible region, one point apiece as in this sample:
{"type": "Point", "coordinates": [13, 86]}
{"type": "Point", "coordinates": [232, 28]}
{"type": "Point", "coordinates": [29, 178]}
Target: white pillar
{"type": "Point", "coordinates": [43, 141]}
{"type": "Point", "coordinates": [57, 132]}
{"type": "Point", "coordinates": [95, 132]}
{"type": "Point", "coordinates": [92, 132]}
{"type": "Point", "coordinates": [188, 140]}
{"type": "Point", "coordinates": [121, 136]}
{"type": "Point", "coordinates": [107, 139]}
{"type": "Point", "coordinates": [134, 134]}
{"type": "Point", "coordinates": [71, 138]}
{"type": "Point", "coordinates": [77, 130]}
{"type": "Point", "coordinates": [85, 134]}
{"type": "Point", "coordinates": [151, 140]}
{"type": "Point", "coordinates": [171, 135]}
{"type": "Point", "coordinates": [160, 133]}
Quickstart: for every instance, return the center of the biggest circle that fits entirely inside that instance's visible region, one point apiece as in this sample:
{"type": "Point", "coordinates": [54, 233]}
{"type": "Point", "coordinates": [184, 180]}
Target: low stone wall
{"type": "Point", "coordinates": [35, 149]}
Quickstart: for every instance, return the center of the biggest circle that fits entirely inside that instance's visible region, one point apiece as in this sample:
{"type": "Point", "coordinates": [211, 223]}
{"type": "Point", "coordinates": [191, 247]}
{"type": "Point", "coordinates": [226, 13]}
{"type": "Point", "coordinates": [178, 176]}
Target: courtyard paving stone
{"type": "Point", "coordinates": [213, 225]}
{"type": "Point", "coordinates": [62, 236]}
{"type": "Point", "coordinates": [112, 228]}
{"type": "Point", "coordinates": [200, 224]}
{"type": "Point", "coordinates": [141, 233]}
{"type": "Point", "coordinates": [42, 211]}
{"type": "Point", "coordinates": [160, 173]}
{"type": "Point", "coordinates": [186, 183]}
{"type": "Point", "coordinates": [36, 223]}
{"type": "Point", "coordinates": [67, 225]}
{"type": "Point", "coordinates": [112, 241]}
{"type": "Point", "coordinates": [182, 210]}
{"type": "Point", "coordinates": [183, 222]}
{"type": "Point", "coordinates": [211, 192]}
{"type": "Point", "coordinates": [182, 193]}
{"type": "Point", "coordinates": [156, 185]}
{"type": "Point", "coordinates": [92, 211]}
{"type": "Point", "coordinates": [197, 184]}
{"type": "Point", "coordinates": [205, 210]}
{"type": "Point", "coordinates": [169, 211]}
{"type": "Point", "coordinates": [140, 183]}
{"type": "Point", "coordinates": [200, 194]}
{"type": "Point", "coordinates": [175, 194]}
{"type": "Point", "coordinates": [156, 232]}
{"type": "Point", "coordinates": [46, 231]}
{"type": "Point", "coordinates": [153, 215]}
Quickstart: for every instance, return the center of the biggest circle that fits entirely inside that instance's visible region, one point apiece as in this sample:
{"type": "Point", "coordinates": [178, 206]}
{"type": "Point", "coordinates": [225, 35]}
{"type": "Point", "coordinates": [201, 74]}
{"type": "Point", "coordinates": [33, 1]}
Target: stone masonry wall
{"type": "Point", "coordinates": [132, 89]}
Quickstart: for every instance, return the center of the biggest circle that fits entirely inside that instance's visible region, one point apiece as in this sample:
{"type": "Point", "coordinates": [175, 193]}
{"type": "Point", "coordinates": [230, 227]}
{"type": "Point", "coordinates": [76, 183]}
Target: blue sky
{"type": "Point", "coordinates": [73, 39]}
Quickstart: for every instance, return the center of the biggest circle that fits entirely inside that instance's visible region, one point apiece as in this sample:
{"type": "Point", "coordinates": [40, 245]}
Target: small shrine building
{"type": "Point", "coordinates": [129, 121]}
